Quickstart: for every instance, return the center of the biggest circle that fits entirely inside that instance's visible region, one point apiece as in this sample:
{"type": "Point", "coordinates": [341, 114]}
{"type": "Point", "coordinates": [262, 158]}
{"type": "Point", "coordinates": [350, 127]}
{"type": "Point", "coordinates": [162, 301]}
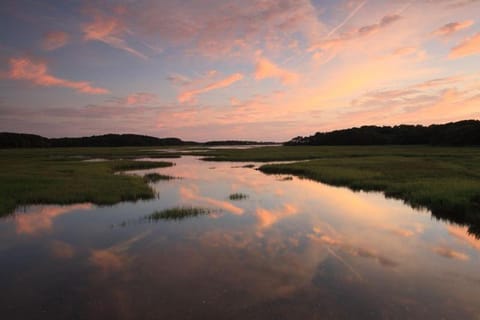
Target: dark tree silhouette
{"type": "Point", "coordinates": [462, 133]}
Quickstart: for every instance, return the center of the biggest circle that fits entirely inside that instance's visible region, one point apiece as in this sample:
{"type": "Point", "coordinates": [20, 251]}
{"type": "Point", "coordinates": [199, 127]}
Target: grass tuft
{"type": "Point", "coordinates": [154, 177]}
{"type": "Point", "coordinates": [125, 165]}
{"type": "Point", "coordinates": [178, 213]}
{"type": "Point", "coordinates": [238, 196]}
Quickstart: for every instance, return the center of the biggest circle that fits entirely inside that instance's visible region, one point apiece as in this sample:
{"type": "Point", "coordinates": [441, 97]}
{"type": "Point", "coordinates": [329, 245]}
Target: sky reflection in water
{"type": "Point", "coordinates": [292, 249]}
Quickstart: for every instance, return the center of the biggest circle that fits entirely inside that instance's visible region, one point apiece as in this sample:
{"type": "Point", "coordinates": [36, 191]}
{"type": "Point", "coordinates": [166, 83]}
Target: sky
{"type": "Point", "coordinates": [265, 70]}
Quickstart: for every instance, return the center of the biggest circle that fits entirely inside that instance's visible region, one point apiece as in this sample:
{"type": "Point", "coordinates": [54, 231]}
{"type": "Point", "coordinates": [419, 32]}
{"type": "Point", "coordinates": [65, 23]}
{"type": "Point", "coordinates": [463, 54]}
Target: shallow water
{"type": "Point", "coordinates": [294, 249]}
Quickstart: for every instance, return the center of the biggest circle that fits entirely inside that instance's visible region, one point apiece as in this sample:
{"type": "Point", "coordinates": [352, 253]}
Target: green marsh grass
{"type": "Point", "coordinates": [238, 196]}
{"type": "Point", "coordinates": [178, 213]}
{"type": "Point", "coordinates": [154, 177]}
{"type": "Point", "coordinates": [60, 176]}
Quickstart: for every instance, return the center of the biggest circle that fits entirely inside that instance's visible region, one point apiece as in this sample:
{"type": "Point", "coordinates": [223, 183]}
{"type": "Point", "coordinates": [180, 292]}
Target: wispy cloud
{"type": "Point", "coordinates": [191, 193]}
{"type": "Point", "coordinates": [329, 47]}
{"type": "Point", "coordinates": [450, 253]}
{"type": "Point", "coordinates": [266, 218]}
{"type": "Point", "coordinates": [452, 27]}
{"type": "Point", "coordinates": [265, 68]}
{"type": "Point", "coordinates": [135, 99]}
{"type": "Point", "coordinates": [220, 29]}
{"type": "Point", "coordinates": [41, 219]}
{"type": "Point", "coordinates": [467, 47]}
{"type": "Point", "coordinates": [109, 30]}
{"type": "Point", "coordinates": [37, 73]}
{"type": "Point", "coordinates": [461, 234]}
{"type": "Point", "coordinates": [190, 95]}
{"type": "Point", "coordinates": [54, 40]}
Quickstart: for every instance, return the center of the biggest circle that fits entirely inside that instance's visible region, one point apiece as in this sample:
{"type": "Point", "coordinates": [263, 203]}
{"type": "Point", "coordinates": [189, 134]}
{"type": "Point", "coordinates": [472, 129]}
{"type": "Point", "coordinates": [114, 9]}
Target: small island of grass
{"type": "Point", "coordinates": [155, 177]}
{"type": "Point", "coordinates": [178, 213]}
{"type": "Point", "coordinates": [238, 196]}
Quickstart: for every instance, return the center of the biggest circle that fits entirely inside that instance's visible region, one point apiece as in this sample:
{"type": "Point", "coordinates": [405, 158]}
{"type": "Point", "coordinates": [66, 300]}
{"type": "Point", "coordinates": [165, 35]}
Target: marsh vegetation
{"type": "Point", "coordinates": [445, 180]}
{"type": "Point", "coordinates": [178, 213]}
{"type": "Point", "coordinates": [60, 176]}
{"type": "Point", "coordinates": [155, 177]}
{"type": "Point", "coordinates": [238, 196]}
{"type": "Point", "coordinates": [314, 239]}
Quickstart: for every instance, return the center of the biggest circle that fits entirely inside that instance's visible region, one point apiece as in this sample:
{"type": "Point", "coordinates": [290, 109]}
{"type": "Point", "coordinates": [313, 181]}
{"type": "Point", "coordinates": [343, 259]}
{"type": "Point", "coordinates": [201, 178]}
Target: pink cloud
{"type": "Point", "coordinates": [41, 220]}
{"type": "Point", "coordinates": [54, 40]}
{"type": "Point", "coordinates": [410, 52]}
{"type": "Point", "coordinates": [192, 194]}
{"type": "Point", "coordinates": [461, 234]}
{"type": "Point", "coordinates": [452, 27]}
{"type": "Point", "coordinates": [267, 218]}
{"type": "Point", "coordinates": [467, 47]}
{"type": "Point", "coordinates": [450, 253]}
{"type": "Point", "coordinates": [116, 257]}
{"type": "Point", "coordinates": [190, 95]}
{"type": "Point", "coordinates": [332, 239]}
{"type": "Point", "coordinates": [62, 250]}
{"type": "Point", "coordinates": [264, 69]}
{"type": "Point", "coordinates": [179, 80]}
{"type": "Point", "coordinates": [221, 28]}
{"type": "Point", "coordinates": [399, 231]}
{"type": "Point", "coordinates": [139, 98]}
{"type": "Point", "coordinates": [405, 51]}
{"type": "Point", "coordinates": [341, 41]}
{"type": "Point", "coordinates": [37, 73]}
{"type": "Point", "coordinates": [135, 99]}
{"type": "Point", "coordinates": [107, 260]}
{"type": "Point", "coordinates": [460, 3]}
{"type": "Point", "coordinates": [109, 30]}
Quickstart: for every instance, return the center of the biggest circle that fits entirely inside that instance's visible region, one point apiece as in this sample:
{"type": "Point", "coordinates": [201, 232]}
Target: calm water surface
{"type": "Point", "coordinates": [294, 249]}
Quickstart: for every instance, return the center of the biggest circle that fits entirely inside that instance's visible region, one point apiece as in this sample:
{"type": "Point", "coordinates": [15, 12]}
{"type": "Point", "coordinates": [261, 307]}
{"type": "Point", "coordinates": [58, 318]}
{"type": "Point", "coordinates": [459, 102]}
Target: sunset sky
{"type": "Point", "coordinates": [220, 69]}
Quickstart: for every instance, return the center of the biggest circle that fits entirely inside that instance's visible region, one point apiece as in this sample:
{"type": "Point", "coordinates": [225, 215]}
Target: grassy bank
{"type": "Point", "coordinates": [442, 179]}
{"type": "Point", "coordinates": [60, 176]}
{"type": "Point", "coordinates": [290, 153]}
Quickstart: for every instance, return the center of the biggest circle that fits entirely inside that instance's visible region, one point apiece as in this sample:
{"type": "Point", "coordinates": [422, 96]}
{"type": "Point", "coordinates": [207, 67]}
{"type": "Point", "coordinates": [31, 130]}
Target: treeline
{"type": "Point", "coordinates": [462, 133]}
{"type": "Point", "coordinates": [236, 143]}
{"type": "Point", "coordinates": [21, 140]}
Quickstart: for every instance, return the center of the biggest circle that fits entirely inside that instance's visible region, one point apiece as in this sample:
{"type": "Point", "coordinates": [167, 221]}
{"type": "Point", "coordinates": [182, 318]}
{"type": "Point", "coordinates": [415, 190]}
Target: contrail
{"type": "Point", "coordinates": [345, 263]}
{"type": "Point", "coordinates": [350, 16]}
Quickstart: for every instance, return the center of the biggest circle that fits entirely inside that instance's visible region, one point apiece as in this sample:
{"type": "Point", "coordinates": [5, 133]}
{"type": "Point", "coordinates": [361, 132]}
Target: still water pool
{"type": "Point", "coordinates": [293, 249]}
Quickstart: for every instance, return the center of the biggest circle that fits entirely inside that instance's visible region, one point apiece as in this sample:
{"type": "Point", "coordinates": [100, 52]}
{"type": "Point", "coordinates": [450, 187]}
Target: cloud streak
{"type": "Point", "coordinates": [109, 30]}
{"type": "Point", "coordinates": [37, 73]}
{"type": "Point", "coordinates": [54, 40]}
{"type": "Point", "coordinates": [265, 69]}
{"type": "Point", "coordinates": [469, 46]}
{"type": "Point", "coordinates": [135, 99]}
{"type": "Point", "coordinates": [327, 48]}
{"type": "Point", "coordinates": [190, 95]}
{"type": "Point", "coordinates": [452, 27]}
